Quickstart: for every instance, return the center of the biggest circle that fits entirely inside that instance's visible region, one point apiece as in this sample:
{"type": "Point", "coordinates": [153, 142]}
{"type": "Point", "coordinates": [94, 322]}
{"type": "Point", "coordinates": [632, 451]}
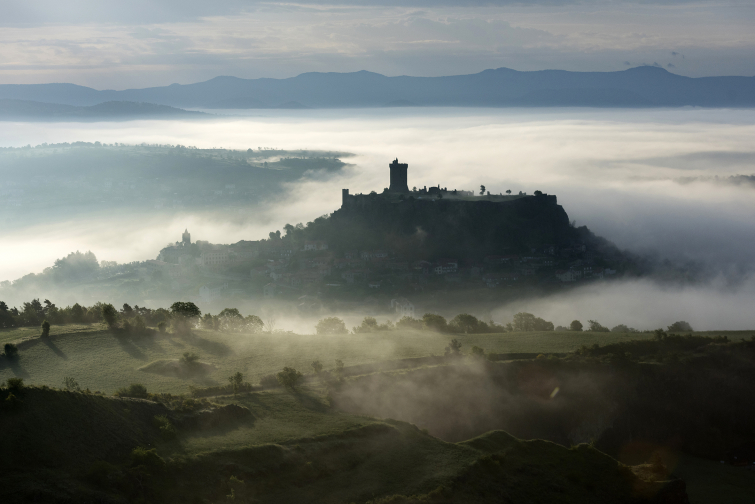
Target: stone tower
{"type": "Point", "coordinates": [186, 237]}
{"type": "Point", "coordinates": [398, 176]}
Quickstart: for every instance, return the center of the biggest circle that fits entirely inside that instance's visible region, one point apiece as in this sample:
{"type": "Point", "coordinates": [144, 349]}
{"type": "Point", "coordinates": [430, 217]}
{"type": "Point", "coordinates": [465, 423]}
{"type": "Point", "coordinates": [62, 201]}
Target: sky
{"type": "Point", "coordinates": [109, 44]}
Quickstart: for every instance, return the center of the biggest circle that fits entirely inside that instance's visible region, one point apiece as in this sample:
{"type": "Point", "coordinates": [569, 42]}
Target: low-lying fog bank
{"type": "Point", "coordinates": [644, 179]}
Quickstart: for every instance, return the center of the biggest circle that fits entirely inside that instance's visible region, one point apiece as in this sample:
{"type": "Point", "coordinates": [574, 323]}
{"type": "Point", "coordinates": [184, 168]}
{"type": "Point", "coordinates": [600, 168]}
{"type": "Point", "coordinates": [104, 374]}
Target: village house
{"type": "Point", "coordinates": [446, 266]}
{"type": "Point", "coordinates": [315, 245]}
{"type": "Point", "coordinates": [403, 307]}
{"type": "Point", "coordinates": [214, 258]}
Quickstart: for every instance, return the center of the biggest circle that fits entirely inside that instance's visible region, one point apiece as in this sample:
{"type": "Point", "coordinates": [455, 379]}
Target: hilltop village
{"type": "Point", "coordinates": [361, 251]}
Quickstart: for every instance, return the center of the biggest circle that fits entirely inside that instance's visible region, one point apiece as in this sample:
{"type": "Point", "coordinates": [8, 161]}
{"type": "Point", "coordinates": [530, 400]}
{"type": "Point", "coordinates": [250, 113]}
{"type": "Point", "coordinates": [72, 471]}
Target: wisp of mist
{"type": "Point", "coordinates": [652, 181]}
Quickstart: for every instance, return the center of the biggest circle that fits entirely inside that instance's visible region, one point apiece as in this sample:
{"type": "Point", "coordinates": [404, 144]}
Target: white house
{"type": "Point", "coordinates": [403, 307]}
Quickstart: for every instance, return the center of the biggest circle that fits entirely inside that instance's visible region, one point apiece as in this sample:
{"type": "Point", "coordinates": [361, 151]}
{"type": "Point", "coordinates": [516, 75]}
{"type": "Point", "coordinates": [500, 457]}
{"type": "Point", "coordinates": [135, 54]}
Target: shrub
{"type": "Point", "coordinates": [167, 430]}
{"type": "Point", "coordinates": [148, 458]}
{"type": "Point", "coordinates": [45, 329]}
{"type": "Point", "coordinates": [331, 325]}
{"type": "Point", "coordinates": [162, 327]}
{"type": "Point", "coordinates": [71, 384]}
{"type": "Point", "coordinates": [127, 326]}
{"type": "Point", "coordinates": [621, 328]}
{"type": "Point", "coordinates": [15, 384]}
{"type": "Point", "coordinates": [478, 352]}
{"type": "Point", "coordinates": [434, 322]}
{"type": "Point", "coordinates": [136, 390]}
{"type": "Point", "coordinates": [680, 327]}
{"type": "Point", "coordinates": [110, 314]}
{"type": "Point", "coordinates": [289, 377]}
{"type": "Point", "coordinates": [453, 348]}
{"type": "Point", "coordinates": [189, 359]}
{"type": "Point", "coordinates": [316, 366]}
{"type": "Point", "coordinates": [11, 351]}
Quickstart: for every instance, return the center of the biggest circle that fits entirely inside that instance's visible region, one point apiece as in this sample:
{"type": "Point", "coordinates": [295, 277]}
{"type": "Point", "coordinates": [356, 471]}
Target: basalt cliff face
{"type": "Point", "coordinates": [461, 228]}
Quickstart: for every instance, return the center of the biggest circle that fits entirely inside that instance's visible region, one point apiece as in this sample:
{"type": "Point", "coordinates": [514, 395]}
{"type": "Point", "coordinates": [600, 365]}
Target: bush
{"type": "Point", "coordinates": [167, 430]}
{"type": "Point", "coordinates": [15, 384]}
{"type": "Point", "coordinates": [189, 359]}
{"type": "Point", "coordinates": [478, 352]}
{"type": "Point", "coordinates": [45, 329]}
{"type": "Point", "coordinates": [136, 390]}
{"type": "Point", "coordinates": [11, 351]}
{"type": "Point", "coordinates": [680, 327]}
{"type": "Point", "coordinates": [148, 458]}
{"type": "Point", "coordinates": [162, 327]}
{"type": "Point", "coordinates": [71, 384]}
{"type": "Point", "coordinates": [12, 402]}
{"type": "Point", "coordinates": [434, 322]}
{"type": "Point", "coordinates": [289, 377]}
{"type": "Point", "coordinates": [453, 348]}
{"type": "Point", "coordinates": [331, 325]}
{"type": "Point", "coordinates": [316, 366]}
{"type": "Point", "coordinates": [370, 324]}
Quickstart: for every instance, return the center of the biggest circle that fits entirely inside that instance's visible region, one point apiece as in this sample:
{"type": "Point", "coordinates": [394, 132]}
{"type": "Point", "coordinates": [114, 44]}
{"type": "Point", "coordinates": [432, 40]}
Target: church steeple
{"type": "Point", "coordinates": [186, 237]}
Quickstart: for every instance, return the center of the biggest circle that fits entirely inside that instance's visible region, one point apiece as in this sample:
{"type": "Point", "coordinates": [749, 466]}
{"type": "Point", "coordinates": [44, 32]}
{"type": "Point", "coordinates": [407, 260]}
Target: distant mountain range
{"type": "Point", "coordinates": [36, 110]}
{"type": "Point", "coordinates": [636, 87]}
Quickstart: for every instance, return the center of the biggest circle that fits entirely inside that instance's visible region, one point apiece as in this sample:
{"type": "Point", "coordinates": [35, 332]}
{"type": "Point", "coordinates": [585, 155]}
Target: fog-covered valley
{"type": "Point", "coordinates": [665, 185]}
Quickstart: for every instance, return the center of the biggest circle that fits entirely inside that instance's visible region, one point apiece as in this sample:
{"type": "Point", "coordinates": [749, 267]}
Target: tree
{"type": "Point", "coordinates": [596, 326]}
{"type": "Point", "coordinates": [230, 320]}
{"type": "Point", "coordinates": [407, 322]}
{"type": "Point", "coordinates": [465, 323]}
{"type": "Point", "coordinates": [575, 325]}
{"type": "Point", "coordinates": [139, 326]}
{"type": "Point", "coordinates": [11, 351]}
{"type": "Point", "coordinates": [110, 314]}
{"type": "Point", "coordinates": [236, 380]}
{"type": "Point", "coordinates": [526, 322]}
{"type": "Point", "coordinates": [434, 322]}
{"type": "Point", "coordinates": [161, 326]}
{"type": "Point", "coordinates": [45, 329]}
{"type": "Point", "coordinates": [482, 190]}
{"type": "Point", "coordinates": [190, 359]}
{"type": "Point", "coordinates": [538, 193]}
{"type": "Point", "coordinates": [184, 315]}
{"type": "Point", "coordinates": [453, 348]}
{"type": "Point", "coordinates": [289, 377]}
{"type": "Point", "coordinates": [71, 384]}
{"type": "Point", "coordinates": [253, 324]}
{"type": "Point", "coordinates": [680, 326]}
{"type": "Point", "coordinates": [508, 191]}
{"type": "Point", "coordinates": [316, 366]}
{"type": "Point", "coordinates": [331, 325]}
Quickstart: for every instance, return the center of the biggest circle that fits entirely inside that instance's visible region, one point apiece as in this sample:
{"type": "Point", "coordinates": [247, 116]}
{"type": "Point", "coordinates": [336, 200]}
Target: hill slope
{"type": "Point", "coordinates": [24, 109]}
{"type": "Point", "coordinates": [636, 87]}
{"type": "Point", "coordinates": [280, 447]}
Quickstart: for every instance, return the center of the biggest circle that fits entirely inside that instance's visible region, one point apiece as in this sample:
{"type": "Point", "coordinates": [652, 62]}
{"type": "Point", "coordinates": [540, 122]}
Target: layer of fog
{"type": "Point", "coordinates": [617, 172]}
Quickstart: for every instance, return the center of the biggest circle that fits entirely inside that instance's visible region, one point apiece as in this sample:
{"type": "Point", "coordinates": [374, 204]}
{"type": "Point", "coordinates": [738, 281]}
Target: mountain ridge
{"type": "Point", "coordinates": [644, 86]}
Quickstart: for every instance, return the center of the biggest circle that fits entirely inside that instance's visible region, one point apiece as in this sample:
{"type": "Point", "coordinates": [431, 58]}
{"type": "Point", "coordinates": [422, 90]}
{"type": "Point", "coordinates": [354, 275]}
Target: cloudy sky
{"type": "Point", "coordinates": [117, 44]}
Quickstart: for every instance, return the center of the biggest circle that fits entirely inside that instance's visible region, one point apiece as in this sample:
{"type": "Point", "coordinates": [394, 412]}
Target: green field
{"type": "Point", "coordinates": [100, 360]}
{"type": "Point", "coordinates": [23, 333]}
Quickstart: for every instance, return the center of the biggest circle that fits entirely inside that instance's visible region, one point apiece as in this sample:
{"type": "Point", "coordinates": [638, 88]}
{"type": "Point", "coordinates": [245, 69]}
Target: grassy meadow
{"type": "Point", "coordinates": [103, 361]}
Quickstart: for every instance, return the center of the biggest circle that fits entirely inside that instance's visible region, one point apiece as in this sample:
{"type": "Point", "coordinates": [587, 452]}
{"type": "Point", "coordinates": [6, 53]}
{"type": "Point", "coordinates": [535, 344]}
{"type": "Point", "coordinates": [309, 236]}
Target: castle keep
{"type": "Point", "coordinates": [398, 177]}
